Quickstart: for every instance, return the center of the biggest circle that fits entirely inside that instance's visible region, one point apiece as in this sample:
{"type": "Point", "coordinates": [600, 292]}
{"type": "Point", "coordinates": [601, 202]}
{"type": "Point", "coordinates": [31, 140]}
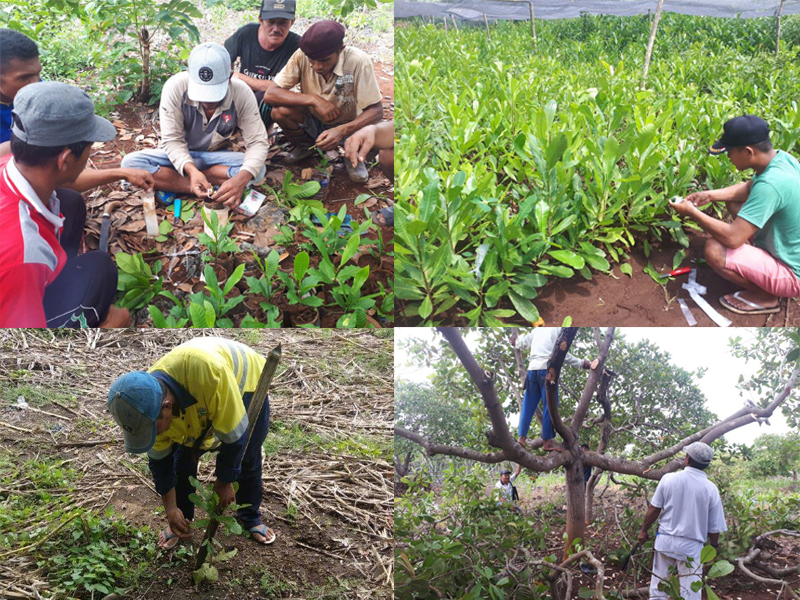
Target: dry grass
{"type": "Point", "coordinates": [334, 388]}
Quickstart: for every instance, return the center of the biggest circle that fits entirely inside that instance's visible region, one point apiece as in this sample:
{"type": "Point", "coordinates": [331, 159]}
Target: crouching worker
{"type": "Point", "coordinates": [192, 400]}
{"type": "Point", "coordinates": [43, 281]}
{"type": "Point", "coordinates": [200, 110]}
{"type": "Point", "coordinates": [338, 95]}
{"type": "Point", "coordinates": [508, 493]}
{"type": "Point", "coordinates": [760, 250]}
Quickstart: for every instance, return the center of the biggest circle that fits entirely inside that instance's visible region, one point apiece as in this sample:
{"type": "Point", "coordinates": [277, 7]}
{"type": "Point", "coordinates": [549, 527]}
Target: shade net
{"type": "Point", "coordinates": [472, 10]}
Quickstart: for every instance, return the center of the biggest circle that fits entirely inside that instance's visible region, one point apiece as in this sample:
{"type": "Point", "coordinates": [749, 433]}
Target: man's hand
{"type": "Point", "coordinates": [230, 192]}
{"type": "Point", "coordinates": [139, 178]}
{"type": "Point", "coordinates": [685, 208]}
{"type": "Point", "coordinates": [198, 181]}
{"type": "Point", "coordinates": [698, 198]}
{"type": "Point", "coordinates": [178, 523]}
{"type": "Point", "coordinates": [116, 317]}
{"type": "Point", "coordinates": [225, 493]}
{"type": "Point", "coordinates": [643, 537]}
{"type": "Point", "coordinates": [359, 144]}
{"type": "Point", "coordinates": [329, 139]}
{"type": "Point", "coordinates": [326, 109]}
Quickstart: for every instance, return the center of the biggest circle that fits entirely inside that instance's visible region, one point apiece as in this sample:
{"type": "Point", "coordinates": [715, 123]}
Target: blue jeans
{"type": "Point", "coordinates": [186, 459]}
{"type": "Point", "coordinates": [152, 160]}
{"type": "Point", "coordinates": [534, 392]}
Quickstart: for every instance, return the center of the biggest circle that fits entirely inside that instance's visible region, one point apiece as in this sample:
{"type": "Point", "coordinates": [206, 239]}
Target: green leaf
{"type": "Point", "coordinates": [350, 249]}
{"type": "Point", "coordinates": [524, 307]}
{"type": "Point", "coordinates": [585, 592]}
{"type": "Point", "coordinates": [679, 257]}
{"type": "Point", "coordinates": [720, 569]}
{"type": "Point", "coordinates": [426, 308]}
{"type": "Point", "coordinates": [568, 257]}
{"type": "Point", "coordinates": [567, 322]}
{"type": "Point", "coordinates": [300, 265]}
{"type": "Point", "coordinates": [793, 355]}
{"type": "Point", "coordinates": [711, 594]}
{"type": "Point", "coordinates": [708, 554]}
{"type": "Point", "coordinates": [626, 269]}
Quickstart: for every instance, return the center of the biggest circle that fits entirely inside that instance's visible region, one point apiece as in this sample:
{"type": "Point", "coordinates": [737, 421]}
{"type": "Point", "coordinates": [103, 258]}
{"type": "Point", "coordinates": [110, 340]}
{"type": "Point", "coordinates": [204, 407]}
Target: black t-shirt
{"type": "Point", "coordinates": [255, 61]}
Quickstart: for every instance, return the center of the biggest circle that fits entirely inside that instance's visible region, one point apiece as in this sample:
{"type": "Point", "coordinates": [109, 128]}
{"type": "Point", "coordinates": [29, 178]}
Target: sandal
{"type": "Point", "coordinates": [168, 536]}
{"type": "Point", "coordinates": [262, 530]}
{"type": "Point", "coordinates": [757, 309]}
{"type": "Point", "coordinates": [386, 214]}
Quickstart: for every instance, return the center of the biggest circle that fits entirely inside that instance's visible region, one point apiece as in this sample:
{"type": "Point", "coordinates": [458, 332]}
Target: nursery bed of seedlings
{"type": "Point", "coordinates": [520, 164]}
{"type": "Point", "coordinates": [80, 518]}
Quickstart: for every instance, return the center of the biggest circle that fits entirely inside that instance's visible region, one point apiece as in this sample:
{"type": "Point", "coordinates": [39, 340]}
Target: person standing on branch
{"type": "Point", "coordinates": [690, 511]}
{"type": "Point", "coordinates": [540, 343]}
{"type": "Point", "coordinates": [760, 250]}
{"type": "Point", "coordinates": [192, 400]}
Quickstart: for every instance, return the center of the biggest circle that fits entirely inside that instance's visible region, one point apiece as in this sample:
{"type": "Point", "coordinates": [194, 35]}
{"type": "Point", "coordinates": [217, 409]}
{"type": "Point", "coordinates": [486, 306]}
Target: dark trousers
{"type": "Point", "coordinates": [85, 289]}
{"type": "Point", "coordinates": [186, 459]}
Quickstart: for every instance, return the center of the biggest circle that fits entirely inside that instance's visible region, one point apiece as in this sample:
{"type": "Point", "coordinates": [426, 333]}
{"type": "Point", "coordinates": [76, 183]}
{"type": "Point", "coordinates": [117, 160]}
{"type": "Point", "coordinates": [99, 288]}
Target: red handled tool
{"type": "Point", "coordinates": [681, 271]}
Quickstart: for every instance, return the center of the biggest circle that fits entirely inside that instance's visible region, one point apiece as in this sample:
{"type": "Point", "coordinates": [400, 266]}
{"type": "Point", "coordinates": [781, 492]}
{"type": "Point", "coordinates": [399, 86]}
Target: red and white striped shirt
{"type": "Point", "coordinates": [31, 256]}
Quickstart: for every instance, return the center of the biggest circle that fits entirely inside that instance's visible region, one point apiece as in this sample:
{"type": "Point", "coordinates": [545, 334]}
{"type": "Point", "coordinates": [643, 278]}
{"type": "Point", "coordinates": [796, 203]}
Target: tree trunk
{"type": "Point", "coordinates": [651, 42]}
{"type": "Point", "coordinates": [576, 520]}
{"type": "Point", "coordinates": [778, 34]}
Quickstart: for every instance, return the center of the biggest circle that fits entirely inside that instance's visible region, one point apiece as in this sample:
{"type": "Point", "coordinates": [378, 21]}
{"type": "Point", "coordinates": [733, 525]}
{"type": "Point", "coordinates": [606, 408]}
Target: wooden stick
{"type": "Point", "coordinates": [533, 26]}
{"type": "Point", "coordinates": [485, 20]}
{"type": "Point", "coordinates": [256, 403]}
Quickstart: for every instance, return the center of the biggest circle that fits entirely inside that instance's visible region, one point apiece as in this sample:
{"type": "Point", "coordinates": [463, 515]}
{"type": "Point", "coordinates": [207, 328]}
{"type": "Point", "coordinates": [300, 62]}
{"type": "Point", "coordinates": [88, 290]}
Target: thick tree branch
{"type": "Point", "coordinates": [592, 382]}
{"type": "Point", "coordinates": [563, 342]}
{"type": "Point", "coordinates": [432, 448]}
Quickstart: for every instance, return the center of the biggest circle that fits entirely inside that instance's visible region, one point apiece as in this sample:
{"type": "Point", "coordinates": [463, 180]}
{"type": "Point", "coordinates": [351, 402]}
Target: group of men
{"type": "Point", "coordinates": [686, 504]}
{"type": "Point", "coordinates": [47, 130]}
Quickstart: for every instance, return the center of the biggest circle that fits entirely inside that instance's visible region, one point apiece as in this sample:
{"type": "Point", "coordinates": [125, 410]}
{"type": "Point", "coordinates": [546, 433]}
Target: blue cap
{"type": "Point", "coordinates": [134, 401]}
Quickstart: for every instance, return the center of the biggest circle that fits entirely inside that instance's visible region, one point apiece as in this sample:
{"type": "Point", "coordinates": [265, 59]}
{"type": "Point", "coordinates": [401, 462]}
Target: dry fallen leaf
{"type": "Point", "coordinates": [307, 174]}
{"type": "Point", "coordinates": [283, 256]}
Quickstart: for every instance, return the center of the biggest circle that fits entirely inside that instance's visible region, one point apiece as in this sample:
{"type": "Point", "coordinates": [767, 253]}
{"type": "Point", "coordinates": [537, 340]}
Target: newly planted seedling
{"type": "Point", "coordinates": [138, 282]}
{"type": "Point", "coordinates": [219, 242]}
{"type": "Point", "coordinates": [216, 297]}
{"type": "Point", "coordinates": [207, 499]}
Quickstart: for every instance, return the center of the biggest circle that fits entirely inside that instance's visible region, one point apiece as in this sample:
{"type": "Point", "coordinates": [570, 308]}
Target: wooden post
{"type": "Point", "coordinates": [651, 42]}
{"type": "Point", "coordinates": [444, 18]}
{"type": "Point", "coordinates": [256, 402]}
{"type": "Point", "coordinates": [485, 20]}
{"type": "Point", "coordinates": [778, 35]}
{"type": "Point", "coordinates": [533, 26]}
{"type": "Point", "coordinates": [455, 24]}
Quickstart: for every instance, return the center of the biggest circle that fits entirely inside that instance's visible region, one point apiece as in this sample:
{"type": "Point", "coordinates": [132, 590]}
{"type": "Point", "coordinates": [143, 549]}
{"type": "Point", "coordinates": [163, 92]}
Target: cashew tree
{"type": "Point", "coordinates": [637, 410]}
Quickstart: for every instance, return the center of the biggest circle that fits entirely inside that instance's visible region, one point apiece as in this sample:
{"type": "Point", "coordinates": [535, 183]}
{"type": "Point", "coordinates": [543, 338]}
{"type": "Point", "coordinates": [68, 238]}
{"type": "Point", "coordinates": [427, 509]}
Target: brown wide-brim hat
{"type": "Point", "coordinates": [322, 39]}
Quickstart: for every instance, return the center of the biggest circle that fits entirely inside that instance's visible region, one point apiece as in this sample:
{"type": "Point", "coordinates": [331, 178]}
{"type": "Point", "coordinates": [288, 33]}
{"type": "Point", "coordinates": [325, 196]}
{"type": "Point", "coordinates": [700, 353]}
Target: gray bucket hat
{"type": "Point", "coordinates": [49, 113]}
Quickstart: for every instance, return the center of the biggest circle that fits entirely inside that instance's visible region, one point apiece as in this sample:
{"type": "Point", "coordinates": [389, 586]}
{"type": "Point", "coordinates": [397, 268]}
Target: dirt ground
{"type": "Point", "coordinates": [606, 534]}
{"type": "Point", "coordinates": [334, 389]}
{"type": "Point", "coordinates": [637, 301]}
{"type": "Point", "coordinates": [179, 255]}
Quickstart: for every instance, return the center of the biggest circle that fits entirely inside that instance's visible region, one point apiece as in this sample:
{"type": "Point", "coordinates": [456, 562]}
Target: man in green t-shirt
{"type": "Point", "coordinates": [760, 249]}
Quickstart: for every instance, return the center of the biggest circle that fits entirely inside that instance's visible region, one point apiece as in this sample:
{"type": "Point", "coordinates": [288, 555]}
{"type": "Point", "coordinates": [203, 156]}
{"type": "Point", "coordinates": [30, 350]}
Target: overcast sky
{"type": "Point", "coordinates": [690, 347]}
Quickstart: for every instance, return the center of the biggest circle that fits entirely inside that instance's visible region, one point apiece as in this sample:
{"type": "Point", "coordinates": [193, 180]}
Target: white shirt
{"type": "Point", "coordinates": [541, 341]}
{"type": "Point", "coordinates": [506, 490]}
{"type": "Point", "coordinates": [691, 509]}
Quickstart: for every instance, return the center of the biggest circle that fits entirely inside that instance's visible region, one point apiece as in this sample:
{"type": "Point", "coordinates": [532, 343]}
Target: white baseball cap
{"type": "Point", "coordinates": [209, 72]}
